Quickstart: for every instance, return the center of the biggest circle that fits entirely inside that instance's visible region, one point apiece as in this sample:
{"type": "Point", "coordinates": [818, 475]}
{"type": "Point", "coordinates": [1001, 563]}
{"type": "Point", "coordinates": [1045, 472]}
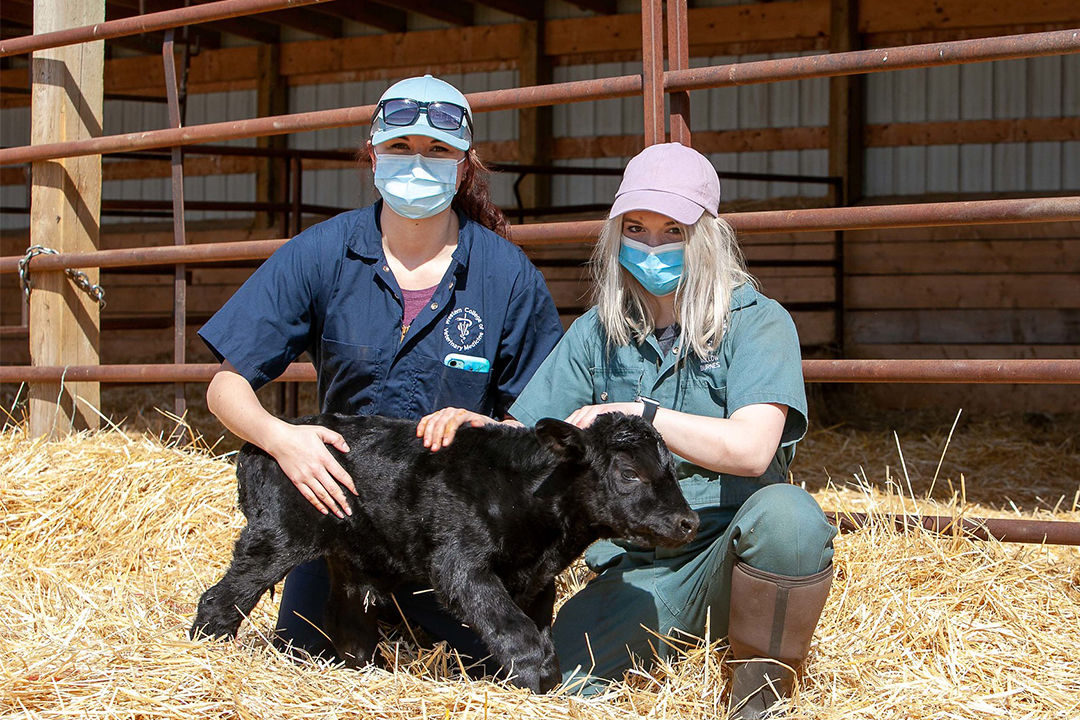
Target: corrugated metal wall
{"type": "Point", "coordinates": [1037, 87]}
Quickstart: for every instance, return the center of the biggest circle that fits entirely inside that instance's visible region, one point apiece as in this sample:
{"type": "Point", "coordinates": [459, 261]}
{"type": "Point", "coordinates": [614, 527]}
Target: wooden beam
{"type": "Point", "coordinates": [271, 98]}
{"type": "Point", "coordinates": [65, 213]}
{"type": "Point", "coordinates": [377, 16]}
{"type": "Point", "coordinates": [882, 16]}
{"type": "Point", "coordinates": [708, 27]}
{"type": "Point", "coordinates": [454, 12]}
{"type": "Point", "coordinates": [534, 124]}
{"type": "Point", "coordinates": [846, 106]}
{"type": "Point", "coordinates": [1005, 290]}
{"type": "Point", "coordinates": [392, 54]}
{"type": "Point", "coordinates": [923, 37]}
{"type": "Point", "coordinates": [846, 154]}
{"type": "Point", "coordinates": [725, 141]}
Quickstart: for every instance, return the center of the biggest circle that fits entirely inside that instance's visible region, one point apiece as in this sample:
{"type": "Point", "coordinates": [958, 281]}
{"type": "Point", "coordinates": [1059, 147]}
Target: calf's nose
{"type": "Point", "coordinates": [689, 526]}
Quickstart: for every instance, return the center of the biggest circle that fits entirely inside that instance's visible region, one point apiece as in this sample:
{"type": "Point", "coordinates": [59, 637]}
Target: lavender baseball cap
{"type": "Point", "coordinates": [670, 179]}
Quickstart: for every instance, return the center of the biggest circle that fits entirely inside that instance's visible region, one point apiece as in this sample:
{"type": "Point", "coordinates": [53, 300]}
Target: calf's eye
{"type": "Point", "coordinates": [630, 476]}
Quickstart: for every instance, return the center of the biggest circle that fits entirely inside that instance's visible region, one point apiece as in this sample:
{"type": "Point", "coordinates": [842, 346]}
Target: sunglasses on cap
{"type": "Point", "coordinates": [401, 112]}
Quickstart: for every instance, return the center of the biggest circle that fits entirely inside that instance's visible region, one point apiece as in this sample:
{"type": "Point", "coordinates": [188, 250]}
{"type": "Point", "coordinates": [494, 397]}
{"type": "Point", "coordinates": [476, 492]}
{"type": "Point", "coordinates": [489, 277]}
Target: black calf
{"type": "Point", "coordinates": [487, 522]}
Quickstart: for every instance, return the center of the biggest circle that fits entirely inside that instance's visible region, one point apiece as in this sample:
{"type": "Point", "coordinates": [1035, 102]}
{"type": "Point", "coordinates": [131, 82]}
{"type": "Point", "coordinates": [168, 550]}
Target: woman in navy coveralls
{"type": "Point", "coordinates": [379, 297]}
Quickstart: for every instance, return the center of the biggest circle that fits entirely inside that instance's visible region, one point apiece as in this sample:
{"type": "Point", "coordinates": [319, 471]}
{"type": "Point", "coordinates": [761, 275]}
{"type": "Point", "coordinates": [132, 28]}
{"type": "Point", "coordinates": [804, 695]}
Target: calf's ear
{"type": "Point", "coordinates": [562, 438]}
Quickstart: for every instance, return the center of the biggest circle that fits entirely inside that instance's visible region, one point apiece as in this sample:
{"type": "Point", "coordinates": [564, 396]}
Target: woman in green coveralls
{"type": "Point", "coordinates": [680, 335]}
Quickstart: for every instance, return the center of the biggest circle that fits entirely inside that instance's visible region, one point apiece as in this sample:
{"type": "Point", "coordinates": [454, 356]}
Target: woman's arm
{"type": "Point", "coordinates": [300, 450]}
{"type": "Point", "coordinates": [742, 445]}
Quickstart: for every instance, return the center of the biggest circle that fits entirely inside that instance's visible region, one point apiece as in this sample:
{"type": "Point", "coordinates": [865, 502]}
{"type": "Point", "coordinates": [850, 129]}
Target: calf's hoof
{"type": "Point", "coordinates": [208, 630]}
{"type": "Point", "coordinates": [550, 672]}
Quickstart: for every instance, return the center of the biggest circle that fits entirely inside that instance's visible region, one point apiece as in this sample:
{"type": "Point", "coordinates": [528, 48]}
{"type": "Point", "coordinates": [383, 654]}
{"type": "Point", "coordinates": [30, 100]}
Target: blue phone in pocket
{"type": "Point", "coordinates": [467, 362]}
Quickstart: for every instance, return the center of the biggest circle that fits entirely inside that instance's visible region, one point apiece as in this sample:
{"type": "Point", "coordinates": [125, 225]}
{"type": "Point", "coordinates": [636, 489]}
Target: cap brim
{"type": "Point", "coordinates": [419, 128]}
{"type": "Point", "coordinates": [674, 206]}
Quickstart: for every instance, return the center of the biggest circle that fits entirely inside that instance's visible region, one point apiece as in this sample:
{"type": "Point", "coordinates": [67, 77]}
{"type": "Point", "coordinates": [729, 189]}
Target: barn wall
{"type": "Point", "coordinates": [993, 291]}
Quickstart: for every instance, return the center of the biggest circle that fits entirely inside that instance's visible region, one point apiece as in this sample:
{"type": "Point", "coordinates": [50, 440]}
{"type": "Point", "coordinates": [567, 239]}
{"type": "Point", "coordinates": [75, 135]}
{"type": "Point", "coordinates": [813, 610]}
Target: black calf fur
{"type": "Point", "coordinates": [487, 522]}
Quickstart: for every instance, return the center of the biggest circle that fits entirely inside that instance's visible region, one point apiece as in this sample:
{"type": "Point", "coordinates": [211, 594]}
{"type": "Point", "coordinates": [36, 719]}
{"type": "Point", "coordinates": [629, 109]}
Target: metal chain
{"type": "Point", "coordinates": [81, 280]}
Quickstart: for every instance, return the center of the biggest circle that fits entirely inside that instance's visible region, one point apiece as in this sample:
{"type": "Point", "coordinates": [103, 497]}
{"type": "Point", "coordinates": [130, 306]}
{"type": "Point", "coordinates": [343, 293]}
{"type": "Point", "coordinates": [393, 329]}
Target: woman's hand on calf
{"type": "Point", "coordinates": [438, 428]}
{"type": "Point", "coordinates": [583, 417]}
{"type": "Point", "coordinates": [301, 452]}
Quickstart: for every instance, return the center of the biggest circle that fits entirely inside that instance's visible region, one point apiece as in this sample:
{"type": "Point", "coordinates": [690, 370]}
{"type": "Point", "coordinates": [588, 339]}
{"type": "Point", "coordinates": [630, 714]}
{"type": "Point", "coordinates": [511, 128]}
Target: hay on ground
{"type": "Point", "coordinates": [107, 540]}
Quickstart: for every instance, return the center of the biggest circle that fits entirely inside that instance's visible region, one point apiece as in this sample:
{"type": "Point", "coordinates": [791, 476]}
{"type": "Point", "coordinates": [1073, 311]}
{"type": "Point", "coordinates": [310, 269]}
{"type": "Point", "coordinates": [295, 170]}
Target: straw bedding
{"type": "Point", "coordinates": [107, 540]}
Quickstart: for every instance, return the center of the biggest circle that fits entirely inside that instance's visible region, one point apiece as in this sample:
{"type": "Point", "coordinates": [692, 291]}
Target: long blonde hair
{"type": "Point", "coordinates": [713, 267]}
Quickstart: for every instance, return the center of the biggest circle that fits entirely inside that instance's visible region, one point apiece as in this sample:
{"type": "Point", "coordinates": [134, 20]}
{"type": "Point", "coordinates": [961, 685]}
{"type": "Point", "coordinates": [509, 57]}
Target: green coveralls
{"type": "Point", "coordinates": [770, 525]}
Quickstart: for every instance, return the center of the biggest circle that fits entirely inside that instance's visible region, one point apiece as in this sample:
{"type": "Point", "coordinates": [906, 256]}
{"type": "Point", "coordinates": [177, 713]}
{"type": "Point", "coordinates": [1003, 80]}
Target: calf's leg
{"type": "Point", "coordinates": [479, 599]}
{"type": "Point", "coordinates": [542, 611]}
{"type": "Point", "coordinates": [352, 612]}
{"type": "Point", "coordinates": [260, 559]}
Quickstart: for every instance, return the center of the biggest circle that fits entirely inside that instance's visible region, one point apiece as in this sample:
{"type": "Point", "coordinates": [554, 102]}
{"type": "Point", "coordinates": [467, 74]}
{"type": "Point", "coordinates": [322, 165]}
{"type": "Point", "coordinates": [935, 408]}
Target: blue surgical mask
{"type": "Point", "coordinates": [659, 269]}
{"type": "Point", "coordinates": [415, 186]}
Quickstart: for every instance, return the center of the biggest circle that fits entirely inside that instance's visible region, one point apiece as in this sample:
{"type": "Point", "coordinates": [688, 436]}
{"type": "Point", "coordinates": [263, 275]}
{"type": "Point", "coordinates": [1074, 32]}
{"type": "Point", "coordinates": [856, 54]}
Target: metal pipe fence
{"type": "Point", "coordinates": [150, 22]}
{"type": "Point", "coordinates": [801, 68]}
{"type": "Point", "coordinates": [652, 86]}
{"type": "Point", "coordinates": [1039, 532]}
{"type": "Point", "coordinates": [974, 212]}
{"type": "Point", "coordinates": [985, 372]}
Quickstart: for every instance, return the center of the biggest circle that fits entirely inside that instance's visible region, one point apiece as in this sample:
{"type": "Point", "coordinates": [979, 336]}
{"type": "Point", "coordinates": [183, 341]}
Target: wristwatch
{"type": "Point", "coordinates": [649, 411]}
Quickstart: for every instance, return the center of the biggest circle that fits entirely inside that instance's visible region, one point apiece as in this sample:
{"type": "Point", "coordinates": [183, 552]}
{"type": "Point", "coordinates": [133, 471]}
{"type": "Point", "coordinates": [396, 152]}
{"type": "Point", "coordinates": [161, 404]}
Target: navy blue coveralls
{"type": "Point", "coordinates": [330, 292]}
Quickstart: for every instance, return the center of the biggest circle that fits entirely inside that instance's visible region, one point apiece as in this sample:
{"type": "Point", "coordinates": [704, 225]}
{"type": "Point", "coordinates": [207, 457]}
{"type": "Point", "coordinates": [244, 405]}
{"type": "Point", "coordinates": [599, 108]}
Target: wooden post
{"type": "Point", "coordinates": [65, 213]}
{"type": "Point", "coordinates": [846, 105]}
{"type": "Point", "coordinates": [845, 139]}
{"type": "Point", "coordinates": [534, 124]}
{"type": "Point", "coordinates": [271, 98]}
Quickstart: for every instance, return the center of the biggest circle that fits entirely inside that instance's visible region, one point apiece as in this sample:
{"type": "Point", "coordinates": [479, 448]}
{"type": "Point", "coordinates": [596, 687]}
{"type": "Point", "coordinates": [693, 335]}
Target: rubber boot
{"type": "Point", "coordinates": [771, 622]}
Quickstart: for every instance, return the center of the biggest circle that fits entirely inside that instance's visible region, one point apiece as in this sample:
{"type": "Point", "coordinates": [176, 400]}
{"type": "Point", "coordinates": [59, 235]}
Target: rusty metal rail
{"type": "Point", "coordinates": [540, 95]}
{"type": "Point", "coordinates": [1006, 47]}
{"type": "Point", "coordinates": [1001, 372]}
{"type": "Point", "coordinates": [748, 223]}
{"type": "Point", "coordinates": [159, 373]}
{"type": "Point", "coordinates": [862, 61]}
{"type": "Point", "coordinates": [150, 22]}
{"type": "Point", "coordinates": [1047, 532]}
{"type": "Point", "coordinates": [998, 372]}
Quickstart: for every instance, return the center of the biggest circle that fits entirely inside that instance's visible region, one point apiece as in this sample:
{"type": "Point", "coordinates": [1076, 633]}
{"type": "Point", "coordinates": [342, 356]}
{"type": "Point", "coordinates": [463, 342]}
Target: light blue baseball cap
{"type": "Point", "coordinates": [424, 90]}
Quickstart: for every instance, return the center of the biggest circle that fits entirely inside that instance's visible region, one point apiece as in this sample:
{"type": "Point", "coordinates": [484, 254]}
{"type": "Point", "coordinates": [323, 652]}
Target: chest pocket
{"type": "Point", "coordinates": [615, 385]}
{"type": "Point", "coordinates": [703, 396]}
{"type": "Point", "coordinates": [453, 387]}
{"type": "Point", "coordinates": [351, 377]}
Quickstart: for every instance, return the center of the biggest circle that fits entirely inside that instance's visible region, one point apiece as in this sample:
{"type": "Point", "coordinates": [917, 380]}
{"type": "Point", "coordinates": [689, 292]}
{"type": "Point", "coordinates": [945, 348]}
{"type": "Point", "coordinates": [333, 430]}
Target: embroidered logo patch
{"type": "Point", "coordinates": [464, 329]}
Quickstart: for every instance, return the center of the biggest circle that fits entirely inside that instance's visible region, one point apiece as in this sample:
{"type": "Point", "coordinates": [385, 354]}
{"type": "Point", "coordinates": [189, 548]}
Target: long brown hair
{"type": "Point", "coordinates": [473, 197]}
